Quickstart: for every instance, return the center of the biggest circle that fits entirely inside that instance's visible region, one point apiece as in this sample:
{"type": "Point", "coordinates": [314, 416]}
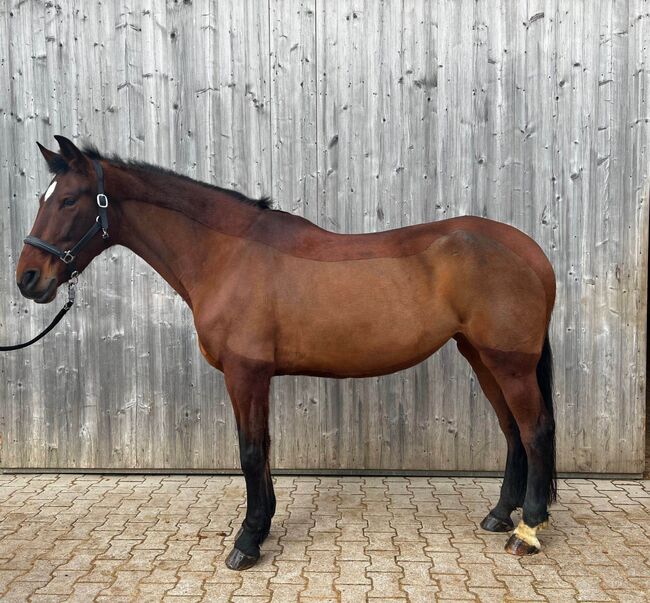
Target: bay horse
{"type": "Point", "coordinates": [273, 294]}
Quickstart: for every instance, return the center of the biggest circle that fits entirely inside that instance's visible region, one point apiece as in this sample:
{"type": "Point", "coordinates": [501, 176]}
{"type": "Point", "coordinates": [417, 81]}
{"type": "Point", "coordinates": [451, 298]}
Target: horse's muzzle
{"type": "Point", "coordinates": [28, 285]}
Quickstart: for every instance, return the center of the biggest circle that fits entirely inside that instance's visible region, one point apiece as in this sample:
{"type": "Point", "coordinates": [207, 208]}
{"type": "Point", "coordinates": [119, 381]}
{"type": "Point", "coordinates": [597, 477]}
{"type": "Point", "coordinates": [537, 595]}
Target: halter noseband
{"type": "Point", "coordinates": [101, 224]}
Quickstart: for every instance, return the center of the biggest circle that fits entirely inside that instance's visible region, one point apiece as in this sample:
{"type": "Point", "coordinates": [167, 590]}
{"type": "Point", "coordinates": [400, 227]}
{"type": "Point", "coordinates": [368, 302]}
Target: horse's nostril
{"type": "Point", "coordinates": [28, 280]}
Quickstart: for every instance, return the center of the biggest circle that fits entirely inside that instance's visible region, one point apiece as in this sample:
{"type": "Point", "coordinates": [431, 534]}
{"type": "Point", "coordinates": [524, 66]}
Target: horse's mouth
{"type": "Point", "coordinates": [48, 294]}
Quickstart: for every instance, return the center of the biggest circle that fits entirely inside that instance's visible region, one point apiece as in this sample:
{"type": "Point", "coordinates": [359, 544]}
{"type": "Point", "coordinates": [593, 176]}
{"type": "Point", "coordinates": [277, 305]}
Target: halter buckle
{"type": "Point", "coordinates": [102, 200]}
{"type": "Point", "coordinates": [67, 257]}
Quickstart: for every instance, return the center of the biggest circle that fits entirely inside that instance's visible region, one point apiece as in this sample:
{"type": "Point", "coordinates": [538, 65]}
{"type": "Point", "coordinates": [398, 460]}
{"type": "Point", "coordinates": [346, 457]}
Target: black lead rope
{"type": "Point", "coordinates": [62, 312]}
{"type": "Point", "coordinates": [68, 256]}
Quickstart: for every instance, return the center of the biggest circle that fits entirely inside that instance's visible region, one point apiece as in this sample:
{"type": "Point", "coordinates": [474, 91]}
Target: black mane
{"type": "Point", "coordinates": [92, 152]}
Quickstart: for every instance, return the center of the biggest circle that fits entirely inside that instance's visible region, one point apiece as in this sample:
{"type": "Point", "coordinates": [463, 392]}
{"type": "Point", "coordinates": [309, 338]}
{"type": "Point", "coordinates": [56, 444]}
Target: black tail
{"type": "Point", "coordinates": [545, 382]}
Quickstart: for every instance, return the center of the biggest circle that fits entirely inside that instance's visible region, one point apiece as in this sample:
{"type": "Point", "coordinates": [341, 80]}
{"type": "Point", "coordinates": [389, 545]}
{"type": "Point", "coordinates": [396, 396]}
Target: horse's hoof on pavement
{"type": "Point", "coordinates": [519, 547]}
{"type": "Point", "coordinates": [239, 561]}
{"type": "Point", "coordinates": [494, 524]}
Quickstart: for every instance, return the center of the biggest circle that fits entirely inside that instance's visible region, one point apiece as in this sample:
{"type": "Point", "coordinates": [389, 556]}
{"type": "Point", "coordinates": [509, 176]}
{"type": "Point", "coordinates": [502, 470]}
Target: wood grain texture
{"type": "Point", "coordinates": [362, 116]}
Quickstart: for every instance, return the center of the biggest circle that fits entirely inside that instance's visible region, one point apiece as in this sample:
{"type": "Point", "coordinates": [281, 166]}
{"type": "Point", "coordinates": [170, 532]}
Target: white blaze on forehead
{"type": "Point", "coordinates": [50, 190]}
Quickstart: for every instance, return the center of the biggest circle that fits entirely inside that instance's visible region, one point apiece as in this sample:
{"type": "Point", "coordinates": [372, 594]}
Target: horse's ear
{"type": "Point", "coordinates": [55, 163]}
{"type": "Point", "coordinates": [71, 153]}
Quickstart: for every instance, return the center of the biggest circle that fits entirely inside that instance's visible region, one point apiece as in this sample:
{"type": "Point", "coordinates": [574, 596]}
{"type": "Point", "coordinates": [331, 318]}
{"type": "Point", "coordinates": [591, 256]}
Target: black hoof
{"type": "Point", "coordinates": [494, 524]}
{"type": "Point", "coordinates": [239, 561]}
{"type": "Point", "coordinates": [516, 546]}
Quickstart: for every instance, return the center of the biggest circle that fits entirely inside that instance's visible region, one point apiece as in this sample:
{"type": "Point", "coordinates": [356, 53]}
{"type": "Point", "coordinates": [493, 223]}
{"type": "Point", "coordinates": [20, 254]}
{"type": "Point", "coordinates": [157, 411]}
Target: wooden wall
{"type": "Point", "coordinates": [361, 116]}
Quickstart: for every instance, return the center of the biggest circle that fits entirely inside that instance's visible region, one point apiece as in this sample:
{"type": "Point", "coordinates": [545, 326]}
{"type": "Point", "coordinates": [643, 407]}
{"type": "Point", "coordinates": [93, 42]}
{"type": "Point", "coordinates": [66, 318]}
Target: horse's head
{"type": "Point", "coordinates": [68, 210]}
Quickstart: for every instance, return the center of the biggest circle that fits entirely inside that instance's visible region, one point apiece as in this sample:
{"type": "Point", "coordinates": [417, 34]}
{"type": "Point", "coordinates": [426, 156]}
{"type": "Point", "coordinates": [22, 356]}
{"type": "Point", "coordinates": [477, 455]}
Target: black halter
{"type": "Point", "coordinates": [68, 256]}
{"type": "Point", "coordinates": [101, 224]}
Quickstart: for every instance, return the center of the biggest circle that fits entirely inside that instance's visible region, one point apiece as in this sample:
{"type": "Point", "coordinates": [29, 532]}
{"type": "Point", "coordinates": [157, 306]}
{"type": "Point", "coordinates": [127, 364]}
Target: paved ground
{"type": "Point", "coordinates": [153, 538]}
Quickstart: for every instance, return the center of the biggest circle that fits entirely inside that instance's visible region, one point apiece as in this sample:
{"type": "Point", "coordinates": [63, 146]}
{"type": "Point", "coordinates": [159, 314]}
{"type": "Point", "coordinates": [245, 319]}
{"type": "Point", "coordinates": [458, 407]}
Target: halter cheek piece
{"type": "Point", "coordinates": [101, 224]}
{"type": "Point", "coordinates": [68, 256]}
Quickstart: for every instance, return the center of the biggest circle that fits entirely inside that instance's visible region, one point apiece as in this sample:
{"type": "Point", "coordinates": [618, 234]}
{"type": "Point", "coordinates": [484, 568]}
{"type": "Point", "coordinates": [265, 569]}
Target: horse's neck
{"type": "Point", "coordinates": [178, 246]}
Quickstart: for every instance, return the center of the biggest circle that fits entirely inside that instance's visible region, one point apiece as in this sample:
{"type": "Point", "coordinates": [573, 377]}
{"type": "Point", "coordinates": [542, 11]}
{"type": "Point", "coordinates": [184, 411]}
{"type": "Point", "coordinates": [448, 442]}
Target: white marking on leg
{"type": "Point", "coordinates": [528, 534]}
{"type": "Point", "coordinates": [50, 190]}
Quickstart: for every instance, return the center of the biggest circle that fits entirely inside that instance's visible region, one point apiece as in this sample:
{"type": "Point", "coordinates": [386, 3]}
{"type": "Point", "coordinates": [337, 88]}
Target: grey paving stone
{"type": "Point", "coordinates": [158, 538]}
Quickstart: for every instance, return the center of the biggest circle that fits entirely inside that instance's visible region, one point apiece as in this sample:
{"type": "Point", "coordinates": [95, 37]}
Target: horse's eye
{"type": "Point", "coordinates": [69, 201]}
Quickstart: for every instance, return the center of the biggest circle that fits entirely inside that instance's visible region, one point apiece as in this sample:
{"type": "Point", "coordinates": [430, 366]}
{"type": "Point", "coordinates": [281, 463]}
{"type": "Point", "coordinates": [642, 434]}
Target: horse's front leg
{"type": "Point", "coordinates": [248, 387]}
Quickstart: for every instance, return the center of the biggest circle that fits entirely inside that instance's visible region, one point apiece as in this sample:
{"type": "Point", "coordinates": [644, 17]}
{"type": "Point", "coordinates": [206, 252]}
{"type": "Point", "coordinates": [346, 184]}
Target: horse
{"type": "Point", "coordinates": [273, 294]}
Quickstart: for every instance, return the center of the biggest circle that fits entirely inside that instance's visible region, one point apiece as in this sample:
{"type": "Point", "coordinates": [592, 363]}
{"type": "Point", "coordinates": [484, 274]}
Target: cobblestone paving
{"type": "Point", "coordinates": [165, 538]}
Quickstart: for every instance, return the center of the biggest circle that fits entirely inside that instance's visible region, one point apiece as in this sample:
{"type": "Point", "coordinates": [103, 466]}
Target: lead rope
{"type": "Point", "coordinates": [72, 283]}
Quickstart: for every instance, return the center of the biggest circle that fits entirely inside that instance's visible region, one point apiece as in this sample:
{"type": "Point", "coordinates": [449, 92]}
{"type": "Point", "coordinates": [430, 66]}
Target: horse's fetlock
{"type": "Point", "coordinates": [537, 518]}
{"type": "Point", "coordinates": [249, 540]}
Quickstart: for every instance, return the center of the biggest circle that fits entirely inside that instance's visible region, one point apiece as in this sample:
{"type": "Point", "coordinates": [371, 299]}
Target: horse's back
{"type": "Point", "coordinates": [299, 237]}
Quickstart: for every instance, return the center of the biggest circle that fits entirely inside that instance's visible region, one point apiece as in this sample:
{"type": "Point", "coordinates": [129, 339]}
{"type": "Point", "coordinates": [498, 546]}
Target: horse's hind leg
{"type": "Point", "coordinates": [513, 488]}
{"type": "Point", "coordinates": [248, 387]}
{"type": "Point", "coordinates": [527, 391]}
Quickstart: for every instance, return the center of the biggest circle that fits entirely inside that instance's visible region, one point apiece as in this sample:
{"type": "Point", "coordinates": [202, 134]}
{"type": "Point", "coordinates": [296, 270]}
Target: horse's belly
{"type": "Point", "coordinates": [347, 359]}
{"type": "Point", "coordinates": [375, 336]}
{"type": "Point", "coordinates": [361, 318]}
